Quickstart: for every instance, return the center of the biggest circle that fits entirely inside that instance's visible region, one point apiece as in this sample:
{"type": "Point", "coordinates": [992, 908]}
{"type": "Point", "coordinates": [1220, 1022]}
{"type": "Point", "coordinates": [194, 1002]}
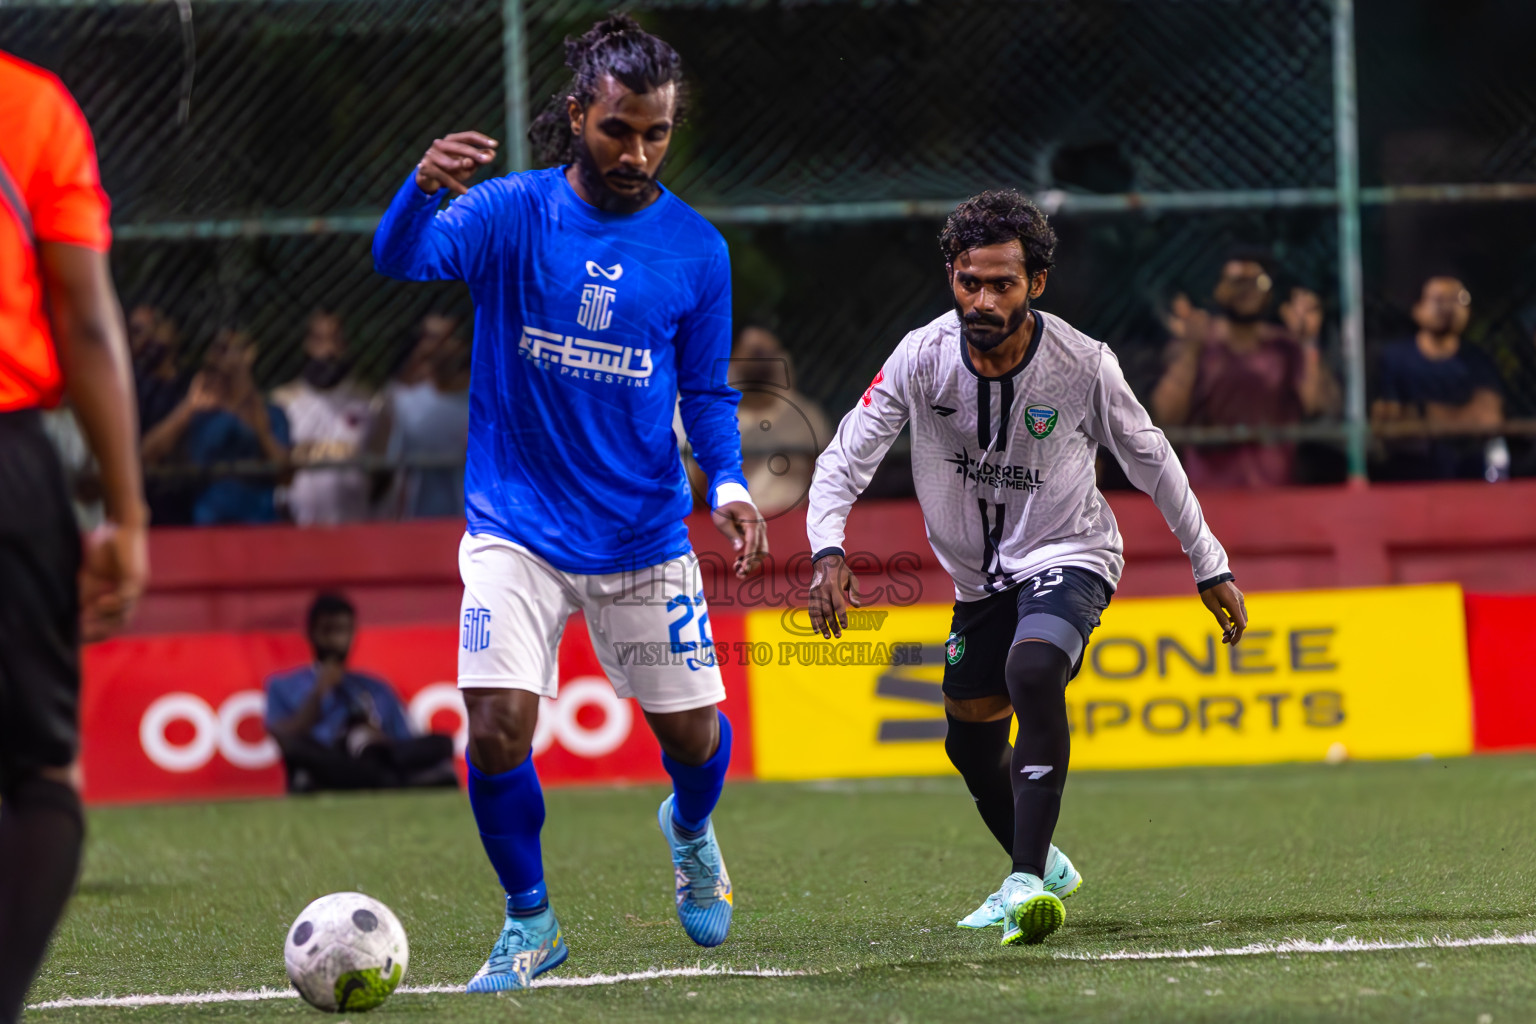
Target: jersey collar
{"type": "Point", "coordinates": [1029, 352]}
{"type": "Point", "coordinates": [571, 201]}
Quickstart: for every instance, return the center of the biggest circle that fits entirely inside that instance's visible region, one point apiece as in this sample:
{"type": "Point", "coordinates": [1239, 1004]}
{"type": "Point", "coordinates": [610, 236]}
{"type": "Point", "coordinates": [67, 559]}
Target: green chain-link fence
{"type": "Point", "coordinates": [249, 146]}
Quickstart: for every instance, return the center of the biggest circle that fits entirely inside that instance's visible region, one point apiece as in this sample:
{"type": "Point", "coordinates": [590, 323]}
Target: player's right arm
{"type": "Point", "coordinates": [412, 241]}
{"type": "Point", "coordinates": [843, 470]}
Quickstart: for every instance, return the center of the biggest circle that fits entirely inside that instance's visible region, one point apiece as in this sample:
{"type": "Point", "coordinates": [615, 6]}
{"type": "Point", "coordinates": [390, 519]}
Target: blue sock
{"type": "Point", "coordinates": [509, 810]}
{"type": "Point", "coordinates": [697, 787]}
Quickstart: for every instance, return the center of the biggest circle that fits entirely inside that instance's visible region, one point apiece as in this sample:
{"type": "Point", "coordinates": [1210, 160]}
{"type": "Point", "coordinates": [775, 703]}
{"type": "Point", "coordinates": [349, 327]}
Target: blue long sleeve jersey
{"type": "Point", "coordinates": [588, 327]}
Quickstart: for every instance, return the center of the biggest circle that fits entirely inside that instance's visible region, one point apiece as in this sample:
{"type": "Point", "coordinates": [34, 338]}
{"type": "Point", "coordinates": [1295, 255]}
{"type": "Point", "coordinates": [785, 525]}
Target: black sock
{"type": "Point", "coordinates": [1037, 682]}
{"type": "Point", "coordinates": [980, 751]}
{"type": "Point", "coordinates": [41, 829]}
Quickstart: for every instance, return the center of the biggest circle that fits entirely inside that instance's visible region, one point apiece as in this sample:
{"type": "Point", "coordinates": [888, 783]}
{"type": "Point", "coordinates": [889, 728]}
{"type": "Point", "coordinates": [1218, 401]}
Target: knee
{"type": "Point", "coordinates": [501, 726]}
{"type": "Point", "coordinates": [688, 737]}
{"type": "Point", "coordinates": [1036, 667]}
{"type": "Point", "coordinates": [975, 746]}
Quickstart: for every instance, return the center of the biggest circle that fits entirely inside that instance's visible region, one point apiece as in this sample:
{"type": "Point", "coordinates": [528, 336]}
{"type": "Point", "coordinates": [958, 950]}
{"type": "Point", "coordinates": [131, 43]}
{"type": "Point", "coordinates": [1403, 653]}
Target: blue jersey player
{"type": "Point", "coordinates": [601, 299]}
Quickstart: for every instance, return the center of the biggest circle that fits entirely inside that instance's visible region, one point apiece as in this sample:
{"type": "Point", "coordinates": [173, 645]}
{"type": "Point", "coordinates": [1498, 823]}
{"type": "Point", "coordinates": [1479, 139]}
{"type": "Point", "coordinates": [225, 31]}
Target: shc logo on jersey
{"type": "Point", "coordinates": [477, 629]}
{"type": "Point", "coordinates": [613, 273]}
{"type": "Point", "coordinates": [1040, 419]}
{"type": "Point", "coordinates": [597, 307]}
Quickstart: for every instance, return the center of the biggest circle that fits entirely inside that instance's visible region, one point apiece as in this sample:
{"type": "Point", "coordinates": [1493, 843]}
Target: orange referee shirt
{"type": "Point", "coordinates": [47, 167]}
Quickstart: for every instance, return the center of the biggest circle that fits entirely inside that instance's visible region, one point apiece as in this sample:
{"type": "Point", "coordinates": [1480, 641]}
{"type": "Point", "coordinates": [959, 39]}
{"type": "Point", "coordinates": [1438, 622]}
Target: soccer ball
{"type": "Point", "coordinates": [346, 952]}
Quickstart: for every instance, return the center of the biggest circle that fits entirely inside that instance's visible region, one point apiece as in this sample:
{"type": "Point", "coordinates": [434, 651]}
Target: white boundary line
{"type": "Point", "coordinates": [585, 980]}
{"type": "Point", "coordinates": [1303, 946]}
{"type": "Point", "coordinates": [264, 993]}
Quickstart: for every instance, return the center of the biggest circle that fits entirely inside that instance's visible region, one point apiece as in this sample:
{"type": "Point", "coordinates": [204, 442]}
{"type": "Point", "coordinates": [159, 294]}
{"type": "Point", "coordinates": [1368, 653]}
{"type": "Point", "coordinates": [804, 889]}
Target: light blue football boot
{"type": "Point", "coordinates": [704, 901]}
{"type": "Point", "coordinates": [526, 948]}
{"type": "Point", "coordinates": [1061, 878]}
{"type": "Point", "coordinates": [1031, 912]}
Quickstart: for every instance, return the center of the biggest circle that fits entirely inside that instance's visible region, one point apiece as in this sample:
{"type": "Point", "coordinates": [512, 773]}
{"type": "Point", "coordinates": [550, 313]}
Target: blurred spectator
{"type": "Point", "coordinates": [155, 343]}
{"type": "Point", "coordinates": [222, 419]}
{"type": "Point", "coordinates": [332, 418]}
{"type": "Point", "coordinates": [1433, 378]}
{"type": "Point", "coordinates": [1237, 368]}
{"type": "Point", "coordinates": [782, 430]}
{"type": "Point", "coordinates": [1317, 462]}
{"type": "Point", "coordinates": [340, 729]}
{"type": "Point", "coordinates": [426, 411]}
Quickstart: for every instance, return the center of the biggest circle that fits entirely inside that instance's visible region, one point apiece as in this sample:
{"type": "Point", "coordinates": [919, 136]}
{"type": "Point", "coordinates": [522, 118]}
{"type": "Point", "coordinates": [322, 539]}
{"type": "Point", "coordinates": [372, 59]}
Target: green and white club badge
{"type": "Point", "coordinates": [954, 649]}
{"type": "Point", "coordinates": [1041, 420]}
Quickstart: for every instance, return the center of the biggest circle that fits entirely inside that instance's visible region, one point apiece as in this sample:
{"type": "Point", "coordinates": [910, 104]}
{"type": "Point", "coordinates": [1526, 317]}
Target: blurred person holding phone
{"type": "Point", "coordinates": [61, 335]}
{"type": "Point", "coordinates": [340, 729]}
{"type": "Point", "coordinates": [1235, 367]}
{"type": "Point", "coordinates": [224, 418]}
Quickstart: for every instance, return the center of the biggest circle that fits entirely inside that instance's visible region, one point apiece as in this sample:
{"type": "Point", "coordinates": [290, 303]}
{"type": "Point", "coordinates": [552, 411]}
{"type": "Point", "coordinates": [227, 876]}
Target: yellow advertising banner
{"type": "Point", "coordinates": [1371, 673]}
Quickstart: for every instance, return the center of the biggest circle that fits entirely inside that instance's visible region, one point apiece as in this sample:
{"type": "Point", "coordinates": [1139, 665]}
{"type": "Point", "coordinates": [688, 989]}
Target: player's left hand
{"type": "Point", "coordinates": [1226, 603]}
{"type": "Point", "coordinates": [743, 523]}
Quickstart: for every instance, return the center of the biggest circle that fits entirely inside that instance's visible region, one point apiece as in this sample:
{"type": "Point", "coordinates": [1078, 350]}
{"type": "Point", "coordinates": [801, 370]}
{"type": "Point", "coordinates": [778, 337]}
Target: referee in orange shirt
{"type": "Point", "coordinates": [61, 334]}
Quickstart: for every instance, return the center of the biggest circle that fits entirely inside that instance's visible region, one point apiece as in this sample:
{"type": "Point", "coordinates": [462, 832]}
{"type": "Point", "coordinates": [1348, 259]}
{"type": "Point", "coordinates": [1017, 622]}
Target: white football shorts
{"type": "Point", "coordinates": [649, 627]}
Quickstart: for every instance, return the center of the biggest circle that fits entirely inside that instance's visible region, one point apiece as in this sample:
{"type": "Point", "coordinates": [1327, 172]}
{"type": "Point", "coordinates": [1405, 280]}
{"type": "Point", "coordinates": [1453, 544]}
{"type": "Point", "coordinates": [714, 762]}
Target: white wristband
{"type": "Point", "coordinates": [728, 492]}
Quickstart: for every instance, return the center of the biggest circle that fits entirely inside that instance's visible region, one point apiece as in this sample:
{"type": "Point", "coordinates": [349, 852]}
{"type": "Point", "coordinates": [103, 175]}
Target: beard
{"type": "Point", "coordinates": [597, 184]}
{"type": "Point", "coordinates": [985, 331]}
{"type": "Point", "coordinates": [324, 374]}
{"type": "Point", "coordinates": [1241, 318]}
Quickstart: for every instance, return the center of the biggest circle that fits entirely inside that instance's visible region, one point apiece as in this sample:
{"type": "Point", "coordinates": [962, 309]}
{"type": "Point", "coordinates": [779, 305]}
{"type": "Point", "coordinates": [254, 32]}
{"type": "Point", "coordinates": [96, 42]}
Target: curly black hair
{"type": "Point", "coordinates": [615, 46]}
{"type": "Point", "coordinates": [995, 217]}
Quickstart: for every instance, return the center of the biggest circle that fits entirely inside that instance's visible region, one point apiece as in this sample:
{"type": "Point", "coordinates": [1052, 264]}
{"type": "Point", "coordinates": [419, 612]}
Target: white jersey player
{"type": "Point", "coordinates": [1008, 407]}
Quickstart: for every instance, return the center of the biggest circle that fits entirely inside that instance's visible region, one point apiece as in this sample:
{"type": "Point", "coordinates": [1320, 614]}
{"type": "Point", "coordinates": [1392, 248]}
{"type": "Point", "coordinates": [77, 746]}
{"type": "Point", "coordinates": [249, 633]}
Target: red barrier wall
{"type": "Point", "coordinates": [1501, 652]}
{"type": "Point", "coordinates": [1482, 536]}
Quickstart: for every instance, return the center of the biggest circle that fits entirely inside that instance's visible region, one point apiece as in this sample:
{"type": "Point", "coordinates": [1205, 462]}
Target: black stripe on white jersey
{"type": "Point", "coordinates": [992, 516]}
{"type": "Point", "coordinates": [1005, 404]}
{"type": "Point", "coordinates": [983, 414]}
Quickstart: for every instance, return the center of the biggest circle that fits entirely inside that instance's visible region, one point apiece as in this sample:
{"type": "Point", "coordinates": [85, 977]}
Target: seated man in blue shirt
{"type": "Point", "coordinates": [340, 729]}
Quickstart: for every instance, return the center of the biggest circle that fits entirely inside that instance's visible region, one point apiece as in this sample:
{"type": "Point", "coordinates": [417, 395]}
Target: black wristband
{"type": "Point", "coordinates": [824, 552]}
{"type": "Point", "coordinates": [1214, 581]}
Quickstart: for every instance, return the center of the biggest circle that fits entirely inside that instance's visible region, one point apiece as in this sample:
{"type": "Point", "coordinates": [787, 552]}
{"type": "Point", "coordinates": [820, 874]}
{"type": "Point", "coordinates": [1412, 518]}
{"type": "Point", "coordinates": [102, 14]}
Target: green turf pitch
{"type": "Point", "coordinates": [859, 885]}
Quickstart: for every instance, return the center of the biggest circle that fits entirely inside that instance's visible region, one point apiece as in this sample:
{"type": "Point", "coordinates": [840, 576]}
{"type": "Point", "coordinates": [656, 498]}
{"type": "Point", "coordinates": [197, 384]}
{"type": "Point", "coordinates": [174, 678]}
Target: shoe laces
{"type": "Point", "coordinates": [514, 938]}
{"type": "Point", "coordinates": [693, 868]}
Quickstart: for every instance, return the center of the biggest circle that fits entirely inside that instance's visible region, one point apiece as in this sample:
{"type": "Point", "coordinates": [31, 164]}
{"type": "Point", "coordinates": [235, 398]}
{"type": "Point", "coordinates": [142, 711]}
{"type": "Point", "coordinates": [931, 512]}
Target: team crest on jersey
{"type": "Point", "coordinates": [954, 648]}
{"type": "Point", "coordinates": [1040, 419]}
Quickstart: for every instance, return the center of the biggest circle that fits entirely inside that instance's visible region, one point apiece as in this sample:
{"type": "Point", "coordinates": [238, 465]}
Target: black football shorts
{"type": "Point", "coordinates": [39, 605]}
{"type": "Point", "coordinates": [1060, 605]}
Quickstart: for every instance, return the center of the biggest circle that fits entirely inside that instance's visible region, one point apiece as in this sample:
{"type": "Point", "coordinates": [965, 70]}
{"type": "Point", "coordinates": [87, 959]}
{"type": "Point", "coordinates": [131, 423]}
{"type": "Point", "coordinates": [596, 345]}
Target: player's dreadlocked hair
{"type": "Point", "coordinates": [995, 217]}
{"type": "Point", "coordinates": [615, 46]}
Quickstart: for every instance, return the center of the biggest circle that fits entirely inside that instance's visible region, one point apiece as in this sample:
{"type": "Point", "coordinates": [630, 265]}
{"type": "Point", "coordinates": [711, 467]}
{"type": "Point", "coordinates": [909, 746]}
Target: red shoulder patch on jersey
{"type": "Point", "coordinates": [878, 378]}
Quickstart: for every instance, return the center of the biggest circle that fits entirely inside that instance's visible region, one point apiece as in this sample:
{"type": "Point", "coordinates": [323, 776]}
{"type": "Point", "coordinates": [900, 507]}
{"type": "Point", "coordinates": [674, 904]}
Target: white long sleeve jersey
{"type": "Point", "coordinates": [1004, 466]}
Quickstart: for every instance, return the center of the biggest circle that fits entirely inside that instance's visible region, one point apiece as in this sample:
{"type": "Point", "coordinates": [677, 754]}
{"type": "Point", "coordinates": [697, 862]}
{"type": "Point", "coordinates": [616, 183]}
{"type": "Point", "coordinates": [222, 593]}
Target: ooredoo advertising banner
{"type": "Point", "coordinates": [180, 716]}
{"type": "Point", "coordinates": [1317, 671]}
